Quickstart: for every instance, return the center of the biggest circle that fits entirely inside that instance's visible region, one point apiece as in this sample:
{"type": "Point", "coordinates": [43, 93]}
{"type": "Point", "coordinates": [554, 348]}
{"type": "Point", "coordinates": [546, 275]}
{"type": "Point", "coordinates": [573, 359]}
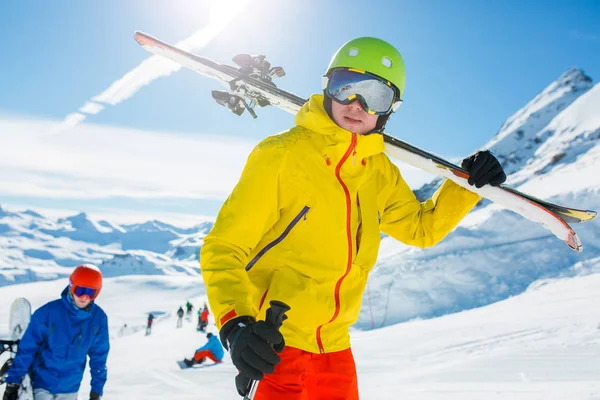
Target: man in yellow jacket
{"type": "Point", "coordinates": [303, 226]}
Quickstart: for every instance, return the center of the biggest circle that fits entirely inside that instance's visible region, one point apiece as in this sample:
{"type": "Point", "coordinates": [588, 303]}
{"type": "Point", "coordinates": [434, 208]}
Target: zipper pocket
{"type": "Point", "coordinates": [279, 239]}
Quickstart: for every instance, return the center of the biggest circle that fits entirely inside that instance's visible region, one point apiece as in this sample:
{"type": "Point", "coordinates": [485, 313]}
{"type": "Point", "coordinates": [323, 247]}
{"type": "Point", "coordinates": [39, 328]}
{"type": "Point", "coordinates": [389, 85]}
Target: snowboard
{"type": "Point", "coordinates": [20, 315]}
{"type": "Point", "coordinates": [183, 365]}
{"type": "Point", "coordinates": [249, 87]}
{"type": "Point", "coordinates": [19, 318]}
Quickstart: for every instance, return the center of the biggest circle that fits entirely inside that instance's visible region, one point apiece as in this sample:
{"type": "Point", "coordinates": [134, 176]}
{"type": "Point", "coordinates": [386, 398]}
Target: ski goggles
{"type": "Point", "coordinates": [81, 291]}
{"type": "Point", "coordinates": [375, 95]}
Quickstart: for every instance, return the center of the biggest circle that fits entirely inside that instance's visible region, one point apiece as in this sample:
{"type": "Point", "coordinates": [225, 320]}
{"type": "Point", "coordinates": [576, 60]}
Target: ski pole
{"type": "Point", "coordinates": [275, 316]}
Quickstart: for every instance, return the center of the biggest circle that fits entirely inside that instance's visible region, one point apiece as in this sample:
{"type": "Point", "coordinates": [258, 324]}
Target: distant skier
{"type": "Point", "coordinates": [203, 318]}
{"type": "Point", "coordinates": [212, 350]}
{"type": "Point", "coordinates": [149, 325]}
{"type": "Point", "coordinates": [303, 226]}
{"type": "Point", "coordinates": [180, 317]}
{"type": "Point", "coordinates": [189, 307]}
{"type": "Point", "coordinates": [60, 337]}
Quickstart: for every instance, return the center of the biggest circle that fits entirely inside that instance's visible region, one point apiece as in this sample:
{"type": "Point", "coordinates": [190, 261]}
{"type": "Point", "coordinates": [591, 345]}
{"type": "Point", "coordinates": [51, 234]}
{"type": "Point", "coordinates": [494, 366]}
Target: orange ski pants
{"type": "Point", "coordinates": [307, 376]}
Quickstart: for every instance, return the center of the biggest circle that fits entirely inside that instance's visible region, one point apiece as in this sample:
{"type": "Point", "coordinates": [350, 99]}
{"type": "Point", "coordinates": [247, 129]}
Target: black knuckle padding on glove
{"type": "Point", "coordinates": [483, 169]}
{"type": "Point", "coordinates": [254, 349]}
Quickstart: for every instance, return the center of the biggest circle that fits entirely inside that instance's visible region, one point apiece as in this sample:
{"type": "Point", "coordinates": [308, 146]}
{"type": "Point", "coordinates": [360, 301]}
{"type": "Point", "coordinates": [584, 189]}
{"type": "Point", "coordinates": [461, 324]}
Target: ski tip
{"type": "Point", "coordinates": [143, 39]}
{"type": "Point", "coordinates": [574, 242]}
{"type": "Point", "coordinates": [591, 213]}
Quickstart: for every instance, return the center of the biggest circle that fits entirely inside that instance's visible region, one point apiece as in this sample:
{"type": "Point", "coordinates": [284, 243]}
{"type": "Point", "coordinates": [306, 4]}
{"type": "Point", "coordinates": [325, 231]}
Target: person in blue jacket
{"type": "Point", "coordinates": [58, 340]}
{"type": "Point", "coordinates": [213, 349]}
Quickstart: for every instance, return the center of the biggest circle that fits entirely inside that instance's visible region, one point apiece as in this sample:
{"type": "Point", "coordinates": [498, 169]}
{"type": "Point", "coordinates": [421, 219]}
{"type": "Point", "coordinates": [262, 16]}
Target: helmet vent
{"type": "Point", "coordinates": [353, 52]}
{"type": "Point", "coordinates": [386, 62]}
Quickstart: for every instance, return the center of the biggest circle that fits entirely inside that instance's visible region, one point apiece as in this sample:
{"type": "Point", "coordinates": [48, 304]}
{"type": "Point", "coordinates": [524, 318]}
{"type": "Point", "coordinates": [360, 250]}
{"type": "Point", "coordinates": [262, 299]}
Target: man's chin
{"type": "Point", "coordinates": [352, 126]}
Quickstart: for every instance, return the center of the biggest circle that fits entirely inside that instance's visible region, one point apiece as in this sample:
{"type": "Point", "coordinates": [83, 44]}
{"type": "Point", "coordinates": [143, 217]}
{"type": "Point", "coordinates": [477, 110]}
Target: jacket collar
{"type": "Point", "coordinates": [313, 117]}
{"type": "Point", "coordinates": [72, 309]}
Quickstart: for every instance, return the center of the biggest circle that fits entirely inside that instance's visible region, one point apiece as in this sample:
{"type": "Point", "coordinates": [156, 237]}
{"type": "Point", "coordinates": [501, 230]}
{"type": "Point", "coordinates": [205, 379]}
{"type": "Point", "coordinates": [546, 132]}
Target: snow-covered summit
{"type": "Point", "coordinates": [521, 134]}
{"type": "Point", "coordinates": [572, 143]}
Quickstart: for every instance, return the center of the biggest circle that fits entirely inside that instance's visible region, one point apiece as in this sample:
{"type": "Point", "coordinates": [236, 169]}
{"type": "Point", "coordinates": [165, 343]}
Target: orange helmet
{"type": "Point", "coordinates": [86, 280]}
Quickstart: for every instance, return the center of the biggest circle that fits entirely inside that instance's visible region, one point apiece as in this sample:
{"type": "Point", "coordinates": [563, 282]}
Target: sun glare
{"type": "Point", "coordinates": [222, 12]}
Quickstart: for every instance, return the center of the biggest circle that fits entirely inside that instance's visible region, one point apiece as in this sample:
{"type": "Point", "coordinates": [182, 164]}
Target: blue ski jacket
{"type": "Point", "coordinates": [214, 345]}
{"type": "Point", "coordinates": [54, 347]}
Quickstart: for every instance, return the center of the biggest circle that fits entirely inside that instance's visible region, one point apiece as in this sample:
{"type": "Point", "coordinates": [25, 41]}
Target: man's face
{"type": "Point", "coordinates": [353, 118]}
{"type": "Point", "coordinates": [81, 302]}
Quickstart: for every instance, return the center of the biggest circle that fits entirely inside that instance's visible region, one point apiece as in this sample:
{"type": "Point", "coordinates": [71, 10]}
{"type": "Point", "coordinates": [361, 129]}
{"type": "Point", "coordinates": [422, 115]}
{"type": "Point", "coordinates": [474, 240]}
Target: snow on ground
{"type": "Point", "coordinates": [542, 344]}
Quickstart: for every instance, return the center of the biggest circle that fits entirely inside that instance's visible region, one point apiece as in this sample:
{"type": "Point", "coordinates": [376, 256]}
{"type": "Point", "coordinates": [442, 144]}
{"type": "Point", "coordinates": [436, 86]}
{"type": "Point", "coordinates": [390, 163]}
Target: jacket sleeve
{"type": "Point", "coordinates": [207, 346]}
{"type": "Point", "coordinates": [424, 224]}
{"type": "Point", "coordinates": [249, 212]}
{"type": "Point", "coordinates": [98, 354]}
{"type": "Point", "coordinates": [32, 340]}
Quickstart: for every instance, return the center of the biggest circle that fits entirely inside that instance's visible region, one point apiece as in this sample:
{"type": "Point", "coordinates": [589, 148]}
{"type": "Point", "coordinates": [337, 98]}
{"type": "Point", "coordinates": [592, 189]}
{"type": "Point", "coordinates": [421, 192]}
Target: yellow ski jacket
{"type": "Point", "coordinates": [303, 226]}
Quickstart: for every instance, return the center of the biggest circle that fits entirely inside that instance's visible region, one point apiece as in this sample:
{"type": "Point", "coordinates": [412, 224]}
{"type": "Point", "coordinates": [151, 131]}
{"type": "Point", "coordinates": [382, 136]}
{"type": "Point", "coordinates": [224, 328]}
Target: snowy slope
{"type": "Point", "coordinates": [542, 344]}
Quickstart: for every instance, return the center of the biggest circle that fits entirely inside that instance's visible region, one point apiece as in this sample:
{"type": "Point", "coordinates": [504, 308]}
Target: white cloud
{"type": "Point", "coordinates": [91, 108]}
{"type": "Point", "coordinates": [92, 161]}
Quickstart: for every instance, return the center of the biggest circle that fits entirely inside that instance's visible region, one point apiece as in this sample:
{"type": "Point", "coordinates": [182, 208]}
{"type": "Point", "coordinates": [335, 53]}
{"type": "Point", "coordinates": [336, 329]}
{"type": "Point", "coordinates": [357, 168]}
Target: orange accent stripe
{"type": "Point", "coordinates": [338, 285]}
{"type": "Point", "coordinates": [230, 315]}
{"type": "Point", "coordinates": [460, 174]}
{"type": "Point", "coordinates": [262, 299]}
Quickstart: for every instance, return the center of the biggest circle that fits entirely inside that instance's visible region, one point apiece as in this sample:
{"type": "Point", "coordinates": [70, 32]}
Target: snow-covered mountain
{"type": "Point", "coordinates": [550, 148]}
{"type": "Point", "coordinates": [517, 142]}
{"type": "Point", "coordinates": [38, 248]}
{"type": "Point", "coordinates": [524, 132]}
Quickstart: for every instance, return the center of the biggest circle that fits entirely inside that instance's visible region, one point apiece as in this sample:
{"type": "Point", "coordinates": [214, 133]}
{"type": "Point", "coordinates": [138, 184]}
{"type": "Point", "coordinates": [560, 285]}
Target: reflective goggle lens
{"type": "Point", "coordinates": [375, 96]}
{"type": "Point", "coordinates": [84, 291]}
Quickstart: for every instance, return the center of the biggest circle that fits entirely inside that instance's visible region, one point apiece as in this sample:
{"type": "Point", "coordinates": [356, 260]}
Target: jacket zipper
{"type": "Point", "coordinates": [279, 239]}
{"type": "Point", "coordinates": [338, 285]}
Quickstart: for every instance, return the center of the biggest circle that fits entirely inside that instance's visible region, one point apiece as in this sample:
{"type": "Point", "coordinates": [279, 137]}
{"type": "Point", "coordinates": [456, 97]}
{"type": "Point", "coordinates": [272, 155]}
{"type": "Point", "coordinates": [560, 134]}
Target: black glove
{"type": "Point", "coordinates": [253, 346]}
{"type": "Point", "coordinates": [11, 392]}
{"type": "Point", "coordinates": [94, 396]}
{"type": "Point", "coordinates": [483, 169]}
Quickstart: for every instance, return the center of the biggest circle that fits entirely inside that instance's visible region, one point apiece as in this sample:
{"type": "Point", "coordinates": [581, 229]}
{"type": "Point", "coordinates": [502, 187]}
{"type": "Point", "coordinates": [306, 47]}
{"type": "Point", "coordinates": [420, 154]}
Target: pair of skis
{"type": "Point", "coordinates": [251, 85]}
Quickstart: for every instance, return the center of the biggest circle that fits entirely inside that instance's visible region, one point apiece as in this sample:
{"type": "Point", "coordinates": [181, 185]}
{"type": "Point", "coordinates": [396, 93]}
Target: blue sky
{"type": "Point", "coordinates": [470, 65]}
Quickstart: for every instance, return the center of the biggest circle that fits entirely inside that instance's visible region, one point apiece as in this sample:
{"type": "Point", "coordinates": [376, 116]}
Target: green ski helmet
{"type": "Point", "coordinates": [372, 55]}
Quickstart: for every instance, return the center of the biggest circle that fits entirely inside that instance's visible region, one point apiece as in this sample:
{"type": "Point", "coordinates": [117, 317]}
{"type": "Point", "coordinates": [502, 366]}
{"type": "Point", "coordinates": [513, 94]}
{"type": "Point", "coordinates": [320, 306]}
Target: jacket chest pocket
{"type": "Point", "coordinates": [301, 216]}
{"type": "Point", "coordinates": [367, 235]}
{"type": "Point", "coordinates": [81, 341]}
